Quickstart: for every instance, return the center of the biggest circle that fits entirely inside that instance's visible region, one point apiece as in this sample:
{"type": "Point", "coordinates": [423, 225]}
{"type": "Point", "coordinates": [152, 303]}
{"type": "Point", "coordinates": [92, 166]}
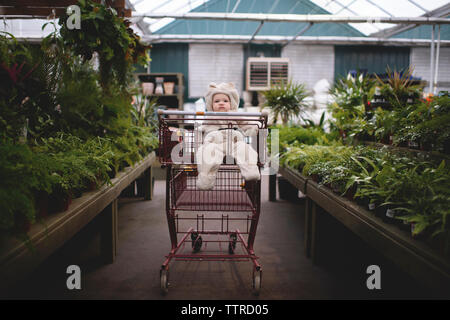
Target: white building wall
{"type": "Point", "coordinates": [420, 60]}
{"type": "Point", "coordinates": [310, 63]}
{"type": "Point", "coordinates": [313, 66]}
{"type": "Point", "coordinates": [214, 63]}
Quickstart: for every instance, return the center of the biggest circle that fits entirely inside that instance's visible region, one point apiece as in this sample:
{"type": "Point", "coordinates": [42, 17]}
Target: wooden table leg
{"type": "Point", "coordinates": [109, 232]}
{"type": "Point", "coordinates": [308, 218]}
{"type": "Point", "coordinates": [273, 187]}
{"type": "Point", "coordinates": [316, 230]}
{"type": "Point", "coordinates": [148, 184]}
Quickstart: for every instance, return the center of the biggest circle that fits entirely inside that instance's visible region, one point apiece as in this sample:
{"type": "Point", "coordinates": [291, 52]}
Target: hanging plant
{"type": "Point", "coordinates": [110, 36]}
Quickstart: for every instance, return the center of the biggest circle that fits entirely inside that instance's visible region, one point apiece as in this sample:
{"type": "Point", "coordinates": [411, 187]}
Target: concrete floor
{"type": "Point", "coordinates": [287, 273]}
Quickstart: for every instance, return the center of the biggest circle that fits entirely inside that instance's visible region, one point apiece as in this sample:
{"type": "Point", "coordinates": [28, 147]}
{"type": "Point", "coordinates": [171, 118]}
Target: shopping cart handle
{"type": "Point", "coordinates": [209, 113]}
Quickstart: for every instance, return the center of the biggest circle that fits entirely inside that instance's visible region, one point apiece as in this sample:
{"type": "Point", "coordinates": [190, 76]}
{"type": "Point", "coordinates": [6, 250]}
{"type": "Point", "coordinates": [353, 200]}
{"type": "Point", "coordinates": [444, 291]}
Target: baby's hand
{"type": "Point", "coordinates": [237, 136]}
{"type": "Point", "coordinates": [251, 130]}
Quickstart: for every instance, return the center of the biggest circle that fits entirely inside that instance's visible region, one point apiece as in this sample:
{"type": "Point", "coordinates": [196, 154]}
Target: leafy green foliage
{"type": "Point", "coordinates": [427, 123]}
{"type": "Point", "coordinates": [350, 96]}
{"type": "Point", "coordinates": [419, 190]}
{"type": "Point", "coordinates": [398, 88]}
{"type": "Point", "coordinates": [414, 186]}
{"type": "Point", "coordinates": [294, 136]}
{"type": "Point", "coordinates": [16, 69]}
{"type": "Point", "coordinates": [144, 111]}
{"type": "Point", "coordinates": [410, 119]}
{"type": "Point", "coordinates": [286, 100]}
{"type": "Point", "coordinates": [22, 173]}
{"type": "Point", "coordinates": [103, 32]}
{"type": "Point", "coordinates": [64, 126]}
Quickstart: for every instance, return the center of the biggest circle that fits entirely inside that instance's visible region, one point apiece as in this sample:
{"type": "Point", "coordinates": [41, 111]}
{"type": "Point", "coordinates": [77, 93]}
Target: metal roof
{"type": "Point", "coordinates": [380, 22]}
{"type": "Point", "coordinates": [342, 8]}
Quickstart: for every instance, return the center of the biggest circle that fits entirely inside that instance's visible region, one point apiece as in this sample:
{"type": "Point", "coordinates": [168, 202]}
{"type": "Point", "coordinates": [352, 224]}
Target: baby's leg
{"type": "Point", "coordinates": [209, 159]}
{"type": "Point", "coordinates": [247, 159]}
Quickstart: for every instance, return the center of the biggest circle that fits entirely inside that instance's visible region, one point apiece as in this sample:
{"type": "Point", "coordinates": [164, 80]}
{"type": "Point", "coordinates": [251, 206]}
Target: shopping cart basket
{"type": "Point", "coordinates": [226, 216]}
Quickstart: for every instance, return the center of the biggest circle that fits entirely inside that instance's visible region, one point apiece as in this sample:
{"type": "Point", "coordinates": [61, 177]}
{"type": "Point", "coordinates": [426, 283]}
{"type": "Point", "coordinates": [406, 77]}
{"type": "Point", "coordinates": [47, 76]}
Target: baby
{"type": "Point", "coordinates": [220, 140]}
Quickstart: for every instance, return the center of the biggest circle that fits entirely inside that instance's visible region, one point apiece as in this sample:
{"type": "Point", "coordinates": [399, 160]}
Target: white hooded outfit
{"type": "Point", "coordinates": [220, 141]}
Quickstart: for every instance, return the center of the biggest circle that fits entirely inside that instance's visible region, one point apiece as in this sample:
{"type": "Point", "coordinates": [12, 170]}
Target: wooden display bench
{"type": "Point", "coordinates": [17, 260]}
{"type": "Point", "coordinates": [416, 258]}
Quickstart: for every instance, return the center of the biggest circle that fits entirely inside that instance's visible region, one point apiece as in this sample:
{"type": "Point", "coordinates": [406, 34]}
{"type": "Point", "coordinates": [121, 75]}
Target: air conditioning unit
{"type": "Point", "coordinates": [263, 72]}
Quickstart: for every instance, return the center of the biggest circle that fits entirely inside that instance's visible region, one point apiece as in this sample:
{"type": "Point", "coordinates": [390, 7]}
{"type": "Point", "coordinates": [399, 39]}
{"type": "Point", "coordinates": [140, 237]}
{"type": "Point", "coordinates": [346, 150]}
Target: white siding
{"type": "Point", "coordinates": [214, 63]}
{"type": "Point", "coordinates": [310, 63]}
{"type": "Point", "coordinates": [420, 60]}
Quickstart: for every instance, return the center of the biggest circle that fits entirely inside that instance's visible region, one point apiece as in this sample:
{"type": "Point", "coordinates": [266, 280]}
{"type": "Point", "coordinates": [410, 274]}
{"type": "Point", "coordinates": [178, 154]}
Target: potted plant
{"type": "Point", "coordinates": [286, 100]}
{"type": "Point", "coordinates": [168, 87]}
{"type": "Point", "coordinates": [350, 97]}
{"type": "Point", "coordinates": [398, 88]}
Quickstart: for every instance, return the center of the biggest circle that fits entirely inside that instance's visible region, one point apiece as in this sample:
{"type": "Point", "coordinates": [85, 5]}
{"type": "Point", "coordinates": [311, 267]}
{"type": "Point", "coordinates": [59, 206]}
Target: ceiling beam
{"type": "Point", "coordinates": [437, 13]}
{"type": "Point", "coordinates": [380, 7]}
{"type": "Point", "coordinates": [347, 7]}
{"type": "Point", "coordinates": [418, 6]}
{"type": "Point", "coordinates": [320, 18]}
{"type": "Point", "coordinates": [235, 6]}
{"type": "Point", "coordinates": [332, 40]}
{"type": "Point", "coordinates": [256, 32]}
{"type": "Point", "coordinates": [33, 13]}
{"type": "Point", "coordinates": [306, 28]}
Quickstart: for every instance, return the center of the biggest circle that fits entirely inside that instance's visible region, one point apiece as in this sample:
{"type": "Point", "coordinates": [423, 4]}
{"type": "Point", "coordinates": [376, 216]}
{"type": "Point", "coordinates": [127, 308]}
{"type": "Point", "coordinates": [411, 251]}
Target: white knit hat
{"type": "Point", "coordinates": [225, 88]}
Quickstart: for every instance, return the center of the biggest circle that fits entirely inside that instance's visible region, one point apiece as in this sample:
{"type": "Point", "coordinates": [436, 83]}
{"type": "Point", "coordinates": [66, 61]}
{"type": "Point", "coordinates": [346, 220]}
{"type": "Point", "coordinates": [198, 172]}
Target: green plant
{"type": "Point", "coordinates": [350, 97]}
{"type": "Point", "coordinates": [427, 123]}
{"type": "Point", "coordinates": [16, 67]}
{"type": "Point", "coordinates": [102, 31]}
{"type": "Point", "coordinates": [398, 88]}
{"type": "Point", "coordinates": [144, 111]}
{"type": "Point", "coordinates": [22, 174]}
{"type": "Point", "coordinates": [286, 100]}
{"type": "Point", "coordinates": [60, 130]}
{"type": "Point", "coordinates": [430, 206]}
{"type": "Point", "coordinates": [295, 136]}
{"type": "Point", "coordinates": [311, 124]}
{"type": "Point", "coordinates": [384, 125]}
{"type": "Point", "coordinates": [77, 163]}
{"type": "Point", "coordinates": [353, 91]}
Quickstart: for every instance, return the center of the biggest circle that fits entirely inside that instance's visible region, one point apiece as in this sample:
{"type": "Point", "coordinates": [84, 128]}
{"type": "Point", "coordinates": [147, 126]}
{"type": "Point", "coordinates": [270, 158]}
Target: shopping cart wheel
{"type": "Point", "coordinates": [164, 275]}
{"type": "Point", "coordinates": [196, 241]}
{"type": "Point", "coordinates": [256, 281]}
{"type": "Point", "coordinates": [232, 243]}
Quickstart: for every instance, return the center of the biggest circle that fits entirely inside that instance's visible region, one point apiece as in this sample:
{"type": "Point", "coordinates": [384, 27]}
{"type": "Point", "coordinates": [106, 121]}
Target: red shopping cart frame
{"type": "Point", "coordinates": [231, 195]}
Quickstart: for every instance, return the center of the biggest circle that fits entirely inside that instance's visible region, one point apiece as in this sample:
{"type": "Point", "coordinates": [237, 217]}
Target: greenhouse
{"type": "Point", "coordinates": [224, 150]}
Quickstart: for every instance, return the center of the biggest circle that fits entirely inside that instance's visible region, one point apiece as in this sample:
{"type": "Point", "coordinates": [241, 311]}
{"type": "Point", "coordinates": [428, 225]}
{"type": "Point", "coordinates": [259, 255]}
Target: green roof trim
{"type": "Point", "coordinates": [213, 27]}
{"type": "Point", "coordinates": [424, 32]}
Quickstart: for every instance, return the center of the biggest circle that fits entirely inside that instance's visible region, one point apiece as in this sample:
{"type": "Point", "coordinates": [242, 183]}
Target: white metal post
{"type": "Point", "coordinates": [438, 45]}
{"type": "Point", "coordinates": [431, 60]}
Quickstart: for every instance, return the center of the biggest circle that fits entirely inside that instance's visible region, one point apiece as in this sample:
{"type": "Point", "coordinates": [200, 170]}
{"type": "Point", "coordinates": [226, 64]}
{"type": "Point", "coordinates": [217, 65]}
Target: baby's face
{"type": "Point", "coordinates": [221, 103]}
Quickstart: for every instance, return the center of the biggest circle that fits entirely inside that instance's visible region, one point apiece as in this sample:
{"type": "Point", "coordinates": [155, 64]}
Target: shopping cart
{"type": "Point", "coordinates": [225, 217]}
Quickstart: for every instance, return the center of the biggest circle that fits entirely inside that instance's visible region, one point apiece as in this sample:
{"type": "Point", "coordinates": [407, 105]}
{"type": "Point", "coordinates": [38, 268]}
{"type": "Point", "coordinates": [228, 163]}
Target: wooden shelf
{"type": "Point", "coordinates": [16, 258]}
{"type": "Point", "coordinates": [424, 263]}
{"type": "Point", "coordinates": [162, 95]}
{"type": "Point", "coordinates": [177, 98]}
